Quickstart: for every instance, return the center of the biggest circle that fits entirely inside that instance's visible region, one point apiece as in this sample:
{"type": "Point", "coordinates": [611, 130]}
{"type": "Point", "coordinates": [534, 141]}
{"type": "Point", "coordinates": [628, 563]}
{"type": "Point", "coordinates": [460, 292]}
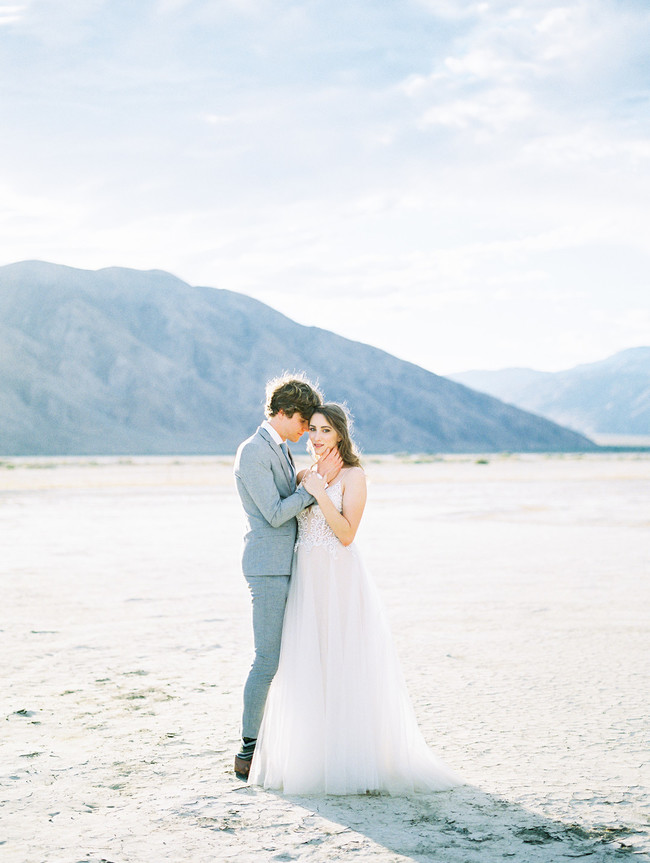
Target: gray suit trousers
{"type": "Point", "coordinates": [269, 596]}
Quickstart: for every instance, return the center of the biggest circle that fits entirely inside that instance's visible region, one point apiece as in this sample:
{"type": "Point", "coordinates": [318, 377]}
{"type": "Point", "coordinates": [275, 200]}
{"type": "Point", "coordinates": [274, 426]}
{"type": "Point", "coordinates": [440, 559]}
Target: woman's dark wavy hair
{"type": "Point", "coordinates": [339, 418]}
{"type": "Point", "coordinates": [291, 393]}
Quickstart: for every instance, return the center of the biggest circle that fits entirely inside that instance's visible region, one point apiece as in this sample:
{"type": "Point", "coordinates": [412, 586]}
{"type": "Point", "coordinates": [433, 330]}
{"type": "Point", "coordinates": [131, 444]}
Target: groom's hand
{"type": "Point", "coordinates": [329, 465]}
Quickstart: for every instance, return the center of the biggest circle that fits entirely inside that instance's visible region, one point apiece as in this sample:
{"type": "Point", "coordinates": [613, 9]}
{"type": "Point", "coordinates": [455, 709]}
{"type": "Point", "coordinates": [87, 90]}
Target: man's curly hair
{"type": "Point", "coordinates": [291, 393]}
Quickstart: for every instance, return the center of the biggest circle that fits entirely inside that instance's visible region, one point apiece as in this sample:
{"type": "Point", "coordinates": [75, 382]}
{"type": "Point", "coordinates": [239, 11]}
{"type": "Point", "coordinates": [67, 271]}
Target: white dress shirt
{"type": "Point", "coordinates": [276, 437]}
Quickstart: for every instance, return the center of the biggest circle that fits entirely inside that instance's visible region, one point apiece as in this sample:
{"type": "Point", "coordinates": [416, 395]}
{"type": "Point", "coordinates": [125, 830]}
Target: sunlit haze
{"type": "Point", "coordinates": [463, 184]}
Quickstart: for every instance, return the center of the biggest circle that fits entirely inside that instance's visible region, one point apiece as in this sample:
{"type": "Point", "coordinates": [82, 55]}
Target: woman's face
{"type": "Point", "coordinates": [322, 435]}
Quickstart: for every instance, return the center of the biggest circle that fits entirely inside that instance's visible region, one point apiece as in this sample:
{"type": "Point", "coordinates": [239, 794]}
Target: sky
{"type": "Point", "coordinates": [463, 184]}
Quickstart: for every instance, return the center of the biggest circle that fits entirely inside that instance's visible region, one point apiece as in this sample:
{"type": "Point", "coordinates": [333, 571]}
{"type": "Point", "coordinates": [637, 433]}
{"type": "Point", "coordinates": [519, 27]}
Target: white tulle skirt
{"type": "Point", "coordinates": [338, 719]}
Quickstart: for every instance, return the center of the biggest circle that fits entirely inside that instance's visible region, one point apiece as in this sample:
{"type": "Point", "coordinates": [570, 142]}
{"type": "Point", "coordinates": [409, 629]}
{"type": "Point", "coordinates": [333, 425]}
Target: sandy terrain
{"type": "Point", "coordinates": [518, 593]}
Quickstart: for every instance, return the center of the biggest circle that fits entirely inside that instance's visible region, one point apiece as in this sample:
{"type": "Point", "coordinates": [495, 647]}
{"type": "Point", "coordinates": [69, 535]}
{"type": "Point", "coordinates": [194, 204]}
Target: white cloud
{"type": "Point", "coordinates": [11, 14]}
{"type": "Point", "coordinates": [170, 7]}
{"type": "Point", "coordinates": [61, 24]}
{"type": "Point", "coordinates": [454, 9]}
{"type": "Point", "coordinates": [494, 110]}
{"type": "Point", "coordinates": [548, 63]}
{"type": "Point", "coordinates": [217, 119]}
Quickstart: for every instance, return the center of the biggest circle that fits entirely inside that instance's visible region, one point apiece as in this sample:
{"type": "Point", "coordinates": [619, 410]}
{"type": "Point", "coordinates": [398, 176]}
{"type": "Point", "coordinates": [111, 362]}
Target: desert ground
{"type": "Point", "coordinates": [518, 592]}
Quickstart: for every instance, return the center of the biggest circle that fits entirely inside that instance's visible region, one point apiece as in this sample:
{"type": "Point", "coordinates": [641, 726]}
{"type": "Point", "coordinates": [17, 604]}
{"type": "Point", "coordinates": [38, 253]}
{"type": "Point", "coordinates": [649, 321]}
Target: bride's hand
{"type": "Point", "coordinates": [314, 483]}
{"type": "Point", "coordinates": [329, 464]}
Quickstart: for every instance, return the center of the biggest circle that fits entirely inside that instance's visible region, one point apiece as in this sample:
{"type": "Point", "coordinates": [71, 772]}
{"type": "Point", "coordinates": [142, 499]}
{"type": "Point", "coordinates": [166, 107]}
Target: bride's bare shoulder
{"type": "Point", "coordinates": [353, 475]}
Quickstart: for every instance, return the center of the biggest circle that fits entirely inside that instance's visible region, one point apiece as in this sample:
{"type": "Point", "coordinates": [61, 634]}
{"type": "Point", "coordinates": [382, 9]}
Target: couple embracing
{"type": "Point", "coordinates": [326, 709]}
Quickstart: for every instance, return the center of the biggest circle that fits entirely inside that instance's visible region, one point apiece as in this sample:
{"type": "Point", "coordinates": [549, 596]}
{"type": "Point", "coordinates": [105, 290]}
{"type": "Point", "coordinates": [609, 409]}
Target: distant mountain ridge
{"type": "Point", "coordinates": [611, 396]}
{"type": "Point", "coordinates": [124, 361]}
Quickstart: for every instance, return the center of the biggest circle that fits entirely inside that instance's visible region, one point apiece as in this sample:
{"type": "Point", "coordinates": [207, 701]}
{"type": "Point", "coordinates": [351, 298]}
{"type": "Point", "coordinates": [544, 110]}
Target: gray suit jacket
{"type": "Point", "coordinates": [268, 493]}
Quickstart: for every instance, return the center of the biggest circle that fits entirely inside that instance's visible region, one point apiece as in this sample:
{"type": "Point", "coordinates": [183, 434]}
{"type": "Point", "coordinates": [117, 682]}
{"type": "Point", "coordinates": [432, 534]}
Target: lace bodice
{"type": "Point", "coordinates": [314, 530]}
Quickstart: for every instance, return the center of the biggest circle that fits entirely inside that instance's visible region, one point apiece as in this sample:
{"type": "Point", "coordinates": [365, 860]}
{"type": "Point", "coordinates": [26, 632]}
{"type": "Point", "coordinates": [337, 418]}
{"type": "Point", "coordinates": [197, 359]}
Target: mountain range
{"type": "Point", "coordinates": [124, 361]}
{"type": "Point", "coordinates": [607, 397]}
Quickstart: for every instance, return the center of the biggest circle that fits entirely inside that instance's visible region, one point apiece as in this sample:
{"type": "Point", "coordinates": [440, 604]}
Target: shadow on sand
{"type": "Point", "coordinates": [465, 824]}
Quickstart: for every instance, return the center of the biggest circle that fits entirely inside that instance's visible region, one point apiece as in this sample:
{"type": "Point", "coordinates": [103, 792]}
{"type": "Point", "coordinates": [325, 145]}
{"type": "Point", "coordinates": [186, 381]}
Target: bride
{"type": "Point", "coordinates": [338, 719]}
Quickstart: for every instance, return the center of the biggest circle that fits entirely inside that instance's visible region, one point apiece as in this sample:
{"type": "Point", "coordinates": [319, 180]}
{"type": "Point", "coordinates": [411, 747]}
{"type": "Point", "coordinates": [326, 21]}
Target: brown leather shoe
{"type": "Point", "coordinates": [242, 767]}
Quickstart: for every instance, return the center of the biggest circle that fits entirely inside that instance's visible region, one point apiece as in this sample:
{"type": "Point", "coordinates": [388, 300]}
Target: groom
{"type": "Point", "coordinates": [266, 482]}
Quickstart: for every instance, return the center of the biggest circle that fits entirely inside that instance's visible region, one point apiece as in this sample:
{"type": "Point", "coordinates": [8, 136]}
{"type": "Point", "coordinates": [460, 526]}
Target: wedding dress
{"type": "Point", "coordinates": [338, 719]}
